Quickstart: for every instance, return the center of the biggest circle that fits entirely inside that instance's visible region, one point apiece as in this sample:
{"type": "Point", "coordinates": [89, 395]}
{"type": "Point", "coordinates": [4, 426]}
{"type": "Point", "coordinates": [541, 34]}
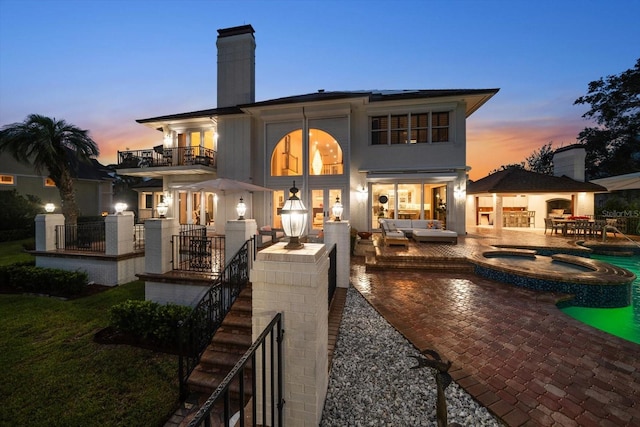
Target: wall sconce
{"type": "Point", "coordinates": [49, 208]}
{"type": "Point", "coordinates": [458, 193]}
{"type": "Point", "coordinates": [294, 219]}
{"type": "Point", "coordinates": [168, 198]}
{"type": "Point", "coordinates": [337, 209]}
{"type": "Point", "coordinates": [362, 194]}
{"type": "Point", "coordinates": [120, 207]}
{"type": "Point", "coordinates": [241, 209]}
{"type": "Point", "coordinates": [162, 209]}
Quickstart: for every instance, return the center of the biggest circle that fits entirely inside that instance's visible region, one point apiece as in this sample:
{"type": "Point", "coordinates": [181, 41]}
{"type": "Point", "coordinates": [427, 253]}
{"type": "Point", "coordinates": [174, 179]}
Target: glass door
{"type": "Point", "coordinates": [322, 200]}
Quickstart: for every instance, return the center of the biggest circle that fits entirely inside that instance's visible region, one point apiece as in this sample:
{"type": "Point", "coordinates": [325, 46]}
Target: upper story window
{"type": "Point", "coordinates": [286, 159]}
{"type": "Point", "coordinates": [7, 180]}
{"type": "Point", "coordinates": [410, 128]}
{"type": "Point", "coordinates": [48, 182]}
{"type": "Point", "coordinates": [324, 155]}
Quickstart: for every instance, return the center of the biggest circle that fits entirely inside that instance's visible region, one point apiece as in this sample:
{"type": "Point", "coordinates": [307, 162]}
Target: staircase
{"type": "Point", "coordinates": [229, 343]}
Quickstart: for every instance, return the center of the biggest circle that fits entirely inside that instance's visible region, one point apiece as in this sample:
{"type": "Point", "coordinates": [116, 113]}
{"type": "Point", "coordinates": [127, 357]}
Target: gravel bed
{"type": "Point", "coordinates": [372, 383]}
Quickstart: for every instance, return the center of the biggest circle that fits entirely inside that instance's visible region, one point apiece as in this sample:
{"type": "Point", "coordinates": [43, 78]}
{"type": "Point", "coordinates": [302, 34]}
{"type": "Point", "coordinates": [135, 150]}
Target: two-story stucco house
{"type": "Point", "coordinates": [384, 153]}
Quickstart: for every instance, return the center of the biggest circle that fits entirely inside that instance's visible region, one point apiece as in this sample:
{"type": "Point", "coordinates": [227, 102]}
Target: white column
{"type": "Point", "coordinates": [46, 231]}
{"type": "Point", "coordinates": [119, 233]}
{"type": "Point", "coordinates": [338, 233]}
{"type": "Point", "coordinates": [157, 247]}
{"type": "Point", "coordinates": [294, 282]}
{"type": "Point", "coordinates": [236, 233]}
{"type": "Point", "coordinates": [497, 212]}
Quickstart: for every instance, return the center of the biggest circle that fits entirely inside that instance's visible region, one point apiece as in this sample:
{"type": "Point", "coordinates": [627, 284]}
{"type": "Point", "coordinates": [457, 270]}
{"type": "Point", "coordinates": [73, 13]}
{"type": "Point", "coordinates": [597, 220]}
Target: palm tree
{"type": "Point", "coordinates": [54, 146]}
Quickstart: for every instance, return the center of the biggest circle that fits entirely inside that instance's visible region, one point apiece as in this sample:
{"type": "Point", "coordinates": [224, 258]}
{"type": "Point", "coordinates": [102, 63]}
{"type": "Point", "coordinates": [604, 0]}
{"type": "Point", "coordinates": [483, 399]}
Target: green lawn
{"type": "Point", "coordinates": [12, 252]}
{"type": "Point", "coordinates": [53, 374]}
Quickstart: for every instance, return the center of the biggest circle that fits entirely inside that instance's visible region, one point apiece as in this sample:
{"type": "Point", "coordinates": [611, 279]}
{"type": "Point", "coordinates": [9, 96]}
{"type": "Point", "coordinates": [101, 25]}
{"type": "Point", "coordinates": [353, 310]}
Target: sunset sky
{"type": "Point", "coordinates": [103, 64]}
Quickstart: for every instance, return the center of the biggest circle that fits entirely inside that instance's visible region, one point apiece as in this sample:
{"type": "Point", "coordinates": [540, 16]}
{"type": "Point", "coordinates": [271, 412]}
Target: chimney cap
{"type": "Point", "coordinates": [235, 31]}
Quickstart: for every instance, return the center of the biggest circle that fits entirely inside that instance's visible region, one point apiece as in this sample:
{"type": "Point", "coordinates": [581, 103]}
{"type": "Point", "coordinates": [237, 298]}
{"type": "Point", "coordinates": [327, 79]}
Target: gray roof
{"type": "Point", "coordinates": [516, 180]}
{"type": "Point", "coordinates": [373, 96]}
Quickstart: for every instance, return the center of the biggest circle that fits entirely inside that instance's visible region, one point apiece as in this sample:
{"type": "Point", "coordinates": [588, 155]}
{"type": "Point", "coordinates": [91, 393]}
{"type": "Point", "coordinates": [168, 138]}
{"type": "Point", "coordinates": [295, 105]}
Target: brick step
{"type": "Point", "coordinates": [376, 263]}
{"type": "Point", "coordinates": [234, 342]}
{"type": "Point", "coordinates": [242, 305]}
{"type": "Point", "coordinates": [214, 357]}
{"type": "Point", "coordinates": [206, 382]}
{"type": "Point", "coordinates": [235, 321]}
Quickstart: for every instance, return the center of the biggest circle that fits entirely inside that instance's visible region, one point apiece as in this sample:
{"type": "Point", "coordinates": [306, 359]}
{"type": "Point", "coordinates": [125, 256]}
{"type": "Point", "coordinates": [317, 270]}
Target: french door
{"type": "Point", "coordinates": [322, 200]}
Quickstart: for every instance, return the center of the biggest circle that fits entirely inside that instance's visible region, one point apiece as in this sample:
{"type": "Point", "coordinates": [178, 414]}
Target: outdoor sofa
{"type": "Point", "coordinates": [422, 230]}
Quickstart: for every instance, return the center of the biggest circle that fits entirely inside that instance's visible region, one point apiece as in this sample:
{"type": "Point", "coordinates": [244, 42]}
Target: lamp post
{"type": "Point", "coordinates": [49, 208]}
{"type": "Point", "coordinates": [241, 209]}
{"type": "Point", "coordinates": [162, 209]}
{"type": "Point", "coordinates": [120, 207]}
{"type": "Point", "coordinates": [337, 209]}
{"type": "Point", "coordinates": [294, 219]}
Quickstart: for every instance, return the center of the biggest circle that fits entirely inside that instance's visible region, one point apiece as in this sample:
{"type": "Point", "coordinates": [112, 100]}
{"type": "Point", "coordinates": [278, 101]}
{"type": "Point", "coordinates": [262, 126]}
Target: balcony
{"type": "Point", "coordinates": [159, 161]}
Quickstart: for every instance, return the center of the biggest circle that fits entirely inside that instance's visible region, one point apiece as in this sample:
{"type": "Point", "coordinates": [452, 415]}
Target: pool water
{"type": "Point", "coordinates": [622, 322]}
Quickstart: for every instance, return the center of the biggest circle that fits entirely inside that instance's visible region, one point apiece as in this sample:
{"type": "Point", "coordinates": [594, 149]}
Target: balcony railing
{"type": "Point", "coordinates": [160, 156]}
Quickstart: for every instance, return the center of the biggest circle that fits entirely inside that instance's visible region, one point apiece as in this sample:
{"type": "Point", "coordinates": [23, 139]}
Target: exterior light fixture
{"type": "Point", "coordinates": [162, 209]}
{"type": "Point", "coordinates": [120, 207]}
{"type": "Point", "coordinates": [362, 194]}
{"type": "Point", "coordinates": [168, 198]}
{"type": "Point", "coordinates": [294, 219]}
{"type": "Point", "coordinates": [49, 208]}
{"type": "Point", "coordinates": [241, 209]}
{"type": "Point", "coordinates": [337, 209]}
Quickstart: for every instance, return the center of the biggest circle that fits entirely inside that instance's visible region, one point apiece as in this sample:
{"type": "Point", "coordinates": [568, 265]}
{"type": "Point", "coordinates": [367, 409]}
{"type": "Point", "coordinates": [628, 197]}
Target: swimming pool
{"type": "Point", "coordinates": [623, 322]}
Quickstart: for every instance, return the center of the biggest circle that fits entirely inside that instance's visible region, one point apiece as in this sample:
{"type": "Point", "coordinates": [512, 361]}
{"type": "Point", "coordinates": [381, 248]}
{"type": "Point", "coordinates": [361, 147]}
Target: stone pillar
{"type": "Point", "coordinates": [338, 233]}
{"type": "Point", "coordinates": [46, 231]}
{"type": "Point", "coordinates": [295, 283]}
{"type": "Point", "coordinates": [236, 233]}
{"type": "Point", "coordinates": [157, 247]}
{"type": "Point", "coordinates": [497, 212]}
{"type": "Point", "coordinates": [119, 233]}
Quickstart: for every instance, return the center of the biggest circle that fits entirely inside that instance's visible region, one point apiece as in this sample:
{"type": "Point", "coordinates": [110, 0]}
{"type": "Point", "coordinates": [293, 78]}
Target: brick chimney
{"type": "Point", "coordinates": [570, 161]}
{"type": "Point", "coordinates": [236, 66]}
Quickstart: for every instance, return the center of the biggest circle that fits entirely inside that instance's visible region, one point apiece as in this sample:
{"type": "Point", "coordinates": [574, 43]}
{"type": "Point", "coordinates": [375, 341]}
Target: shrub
{"type": "Point", "coordinates": [17, 215]}
{"type": "Point", "coordinates": [148, 320]}
{"type": "Point", "coordinates": [29, 278]}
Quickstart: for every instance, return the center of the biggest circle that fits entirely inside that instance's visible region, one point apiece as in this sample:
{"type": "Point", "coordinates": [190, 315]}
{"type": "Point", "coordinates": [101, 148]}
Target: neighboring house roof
{"type": "Point", "coordinates": [154, 184]}
{"type": "Point", "coordinates": [93, 171]}
{"type": "Point", "coordinates": [516, 180]}
{"type": "Point", "coordinates": [482, 96]}
{"type": "Point", "coordinates": [630, 181]}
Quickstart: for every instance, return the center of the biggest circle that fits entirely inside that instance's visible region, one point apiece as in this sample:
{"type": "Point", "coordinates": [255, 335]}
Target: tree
{"type": "Point", "coordinates": [53, 146]}
{"type": "Point", "coordinates": [541, 161]}
{"type": "Point", "coordinates": [509, 166]}
{"type": "Point", "coordinates": [613, 147]}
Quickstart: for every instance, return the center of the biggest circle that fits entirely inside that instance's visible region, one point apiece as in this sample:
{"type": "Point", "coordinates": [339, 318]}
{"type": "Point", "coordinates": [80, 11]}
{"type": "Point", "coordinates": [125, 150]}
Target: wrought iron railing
{"type": "Point", "coordinates": [85, 237]}
{"type": "Point", "coordinates": [160, 156]}
{"type": "Point", "coordinates": [197, 330]}
{"type": "Point", "coordinates": [270, 394]}
{"type": "Point", "coordinates": [194, 251]}
{"type": "Point", "coordinates": [333, 272]}
{"type": "Point", "coordinates": [138, 237]}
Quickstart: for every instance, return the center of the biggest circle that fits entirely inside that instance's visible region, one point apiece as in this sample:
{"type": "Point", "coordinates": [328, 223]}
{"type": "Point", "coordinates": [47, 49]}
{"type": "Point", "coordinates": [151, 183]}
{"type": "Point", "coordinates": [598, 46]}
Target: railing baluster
{"type": "Point", "coordinates": [222, 391]}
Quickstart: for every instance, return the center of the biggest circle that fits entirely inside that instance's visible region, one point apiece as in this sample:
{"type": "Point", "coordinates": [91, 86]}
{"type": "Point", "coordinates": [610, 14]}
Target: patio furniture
{"type": "Point", "coordinates": [550, 224]}
{"type": "Point", "coordinates": [599, 227]}
{"type": "Point", "coordinates": [531, 216]}
{"type": "Point", "coordinates": [582, 227]}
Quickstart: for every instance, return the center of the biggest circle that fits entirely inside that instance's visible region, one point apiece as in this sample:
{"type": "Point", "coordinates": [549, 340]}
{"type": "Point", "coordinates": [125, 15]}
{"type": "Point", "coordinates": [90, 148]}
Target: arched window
{"type": "Point", "coordinates": [286, 159]}
{"type": "Point", "coordinates": [325, 154]}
